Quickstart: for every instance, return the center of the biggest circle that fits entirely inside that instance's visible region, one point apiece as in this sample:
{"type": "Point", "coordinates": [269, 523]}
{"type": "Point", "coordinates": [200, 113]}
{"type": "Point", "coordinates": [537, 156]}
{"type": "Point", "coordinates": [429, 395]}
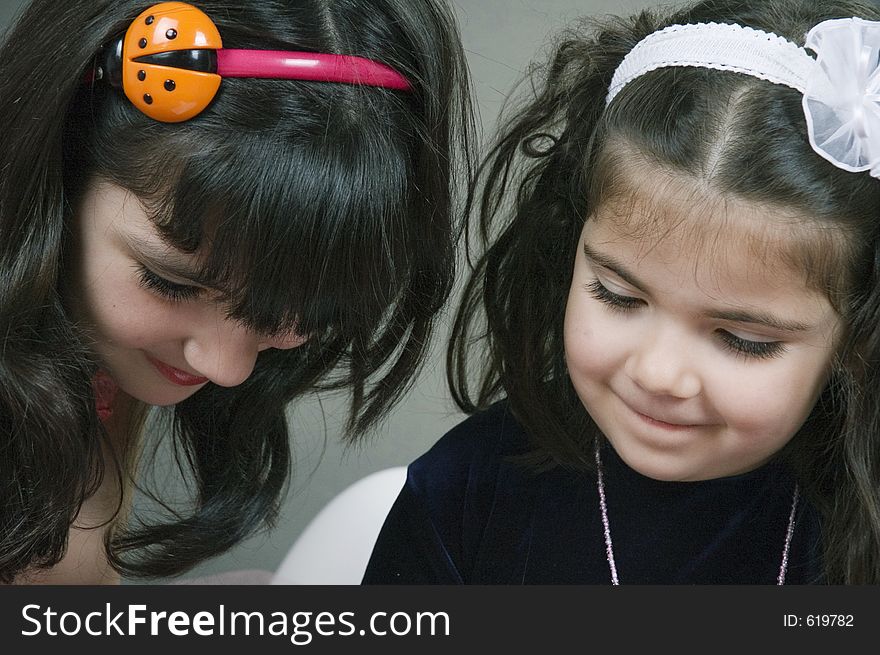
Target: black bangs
{"type": "Point", "coordinates": [291, 231]}
{"type": "Point", "coordinates": [300, 225]}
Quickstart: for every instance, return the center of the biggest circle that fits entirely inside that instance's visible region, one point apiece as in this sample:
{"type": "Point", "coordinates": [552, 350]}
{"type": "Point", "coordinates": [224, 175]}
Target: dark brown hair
{"type": "Point", "coordinates": [331, 206]}
{"type": "Point", "coordinates": [552, 165]}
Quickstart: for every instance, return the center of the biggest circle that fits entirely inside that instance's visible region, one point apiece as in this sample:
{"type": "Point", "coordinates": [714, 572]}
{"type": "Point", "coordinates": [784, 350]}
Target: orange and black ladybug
{"type": "Point", "coordinates": [166, 62]}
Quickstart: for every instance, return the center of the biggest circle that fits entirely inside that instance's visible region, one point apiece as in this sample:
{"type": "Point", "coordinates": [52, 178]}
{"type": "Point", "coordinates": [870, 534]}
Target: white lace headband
{"type": "Point", "coordinates": [841, 87]}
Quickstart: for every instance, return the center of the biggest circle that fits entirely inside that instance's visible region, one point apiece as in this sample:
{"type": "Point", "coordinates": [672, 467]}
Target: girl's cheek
{"type": "Point", "coordinates": [588, 348]}
{"type": "Point", "coordinates": [136, 319]}
{"type": "Point", "coordinates": [760, 402]}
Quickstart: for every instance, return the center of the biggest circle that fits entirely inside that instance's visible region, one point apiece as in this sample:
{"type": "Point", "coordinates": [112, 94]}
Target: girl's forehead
{"type": "Point", "coordinates": [683, 225]}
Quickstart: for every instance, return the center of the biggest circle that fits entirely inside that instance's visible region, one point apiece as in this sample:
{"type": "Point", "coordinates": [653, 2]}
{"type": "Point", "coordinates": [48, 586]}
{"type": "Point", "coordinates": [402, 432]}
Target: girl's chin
{"type": "Point", "coordinates": [162, 397]}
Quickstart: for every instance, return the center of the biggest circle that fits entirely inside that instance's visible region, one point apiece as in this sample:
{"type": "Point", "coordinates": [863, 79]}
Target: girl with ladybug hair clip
{"type": "Point", "coordinates": [211, 208]}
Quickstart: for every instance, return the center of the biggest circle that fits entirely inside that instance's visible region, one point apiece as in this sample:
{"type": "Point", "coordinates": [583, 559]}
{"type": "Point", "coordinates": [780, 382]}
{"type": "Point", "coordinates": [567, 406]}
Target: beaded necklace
{"type": "Point", "coordinates": [609, 550]}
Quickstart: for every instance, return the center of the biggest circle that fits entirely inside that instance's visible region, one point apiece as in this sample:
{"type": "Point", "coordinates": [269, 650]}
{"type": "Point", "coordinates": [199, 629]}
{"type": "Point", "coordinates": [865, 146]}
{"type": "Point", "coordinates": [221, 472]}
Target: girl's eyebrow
{"type": "Point", "coordinates": [759, 318]}
{"type": "Point", "coordinates": [607, 262]}
{"type": "Point", "coordinates": [733, 315]}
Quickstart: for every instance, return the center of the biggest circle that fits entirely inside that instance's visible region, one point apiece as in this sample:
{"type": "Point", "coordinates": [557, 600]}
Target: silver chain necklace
{"type": "Point", "coordinates": [609, 551]}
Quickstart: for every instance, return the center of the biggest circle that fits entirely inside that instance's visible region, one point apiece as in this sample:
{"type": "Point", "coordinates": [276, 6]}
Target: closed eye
{"type": "Point", "coordinates": [164, 287]}
{"type": "Point", "coordinates": [751, 349]}
{"type": "Point", "coordinates": [614, 300]}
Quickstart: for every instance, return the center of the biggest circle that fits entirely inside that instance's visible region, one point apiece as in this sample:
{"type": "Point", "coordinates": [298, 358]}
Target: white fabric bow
{"type": "Point", "coordinates": [842, 99]}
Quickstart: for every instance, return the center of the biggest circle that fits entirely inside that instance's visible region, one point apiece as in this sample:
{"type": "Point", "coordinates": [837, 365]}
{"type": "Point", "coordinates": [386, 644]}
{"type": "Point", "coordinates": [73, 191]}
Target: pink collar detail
{"type": "Point", "coordinates": [105, 389]}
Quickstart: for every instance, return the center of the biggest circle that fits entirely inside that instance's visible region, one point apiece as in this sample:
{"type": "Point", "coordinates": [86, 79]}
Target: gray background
{"type": "Point", "coordinates": [501, 37]}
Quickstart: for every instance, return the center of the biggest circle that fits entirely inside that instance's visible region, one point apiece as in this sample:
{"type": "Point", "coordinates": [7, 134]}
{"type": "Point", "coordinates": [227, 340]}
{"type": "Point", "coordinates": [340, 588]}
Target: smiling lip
{"type": "Point", "coordinates": [663, 424]}
{"type": "Point", "coordinates": [650, 420]}
{"type": "Point", "coordinates": [175, 375]}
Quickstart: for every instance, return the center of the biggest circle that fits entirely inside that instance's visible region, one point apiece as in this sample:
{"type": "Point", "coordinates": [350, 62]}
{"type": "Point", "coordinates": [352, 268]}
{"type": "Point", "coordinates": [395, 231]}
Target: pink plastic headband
{"type": "Point", "coordinates": [317, 67]}
{"type": "Point", "coordinates": [171, 61]}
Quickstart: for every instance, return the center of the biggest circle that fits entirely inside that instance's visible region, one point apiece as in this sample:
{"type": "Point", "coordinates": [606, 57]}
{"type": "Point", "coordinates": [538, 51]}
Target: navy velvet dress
{"type": "Point", "coordinates": [469, 515]}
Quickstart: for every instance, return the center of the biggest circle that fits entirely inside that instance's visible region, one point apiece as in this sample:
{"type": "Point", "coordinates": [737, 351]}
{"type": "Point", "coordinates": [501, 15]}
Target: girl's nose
{"type": "Point", "coordinates": [662, 365]}
{"type": "Point", "coordinates": [224, 352]}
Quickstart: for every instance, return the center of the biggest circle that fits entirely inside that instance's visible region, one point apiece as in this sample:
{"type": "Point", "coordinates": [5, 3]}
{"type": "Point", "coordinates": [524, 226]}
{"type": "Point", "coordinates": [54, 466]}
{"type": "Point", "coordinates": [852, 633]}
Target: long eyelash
{"type": "Point", "coordinates": [614, 300]}
{"type": "Point", "coordinates": [174, 292]}
{"type": "Point", "coordinates": [751, 349]}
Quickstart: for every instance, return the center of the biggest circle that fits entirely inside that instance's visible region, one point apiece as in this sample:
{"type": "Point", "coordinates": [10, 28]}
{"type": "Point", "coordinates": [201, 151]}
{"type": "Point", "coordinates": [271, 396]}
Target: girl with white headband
{"type": "Point", "coordinates": [213, 208]}
{"type": "Point", "coordinates": [677, 316]}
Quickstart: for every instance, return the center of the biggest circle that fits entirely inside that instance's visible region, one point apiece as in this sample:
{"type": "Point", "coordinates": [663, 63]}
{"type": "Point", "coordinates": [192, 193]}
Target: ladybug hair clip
{"type": "Point", "coordinates": [171, 61]}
